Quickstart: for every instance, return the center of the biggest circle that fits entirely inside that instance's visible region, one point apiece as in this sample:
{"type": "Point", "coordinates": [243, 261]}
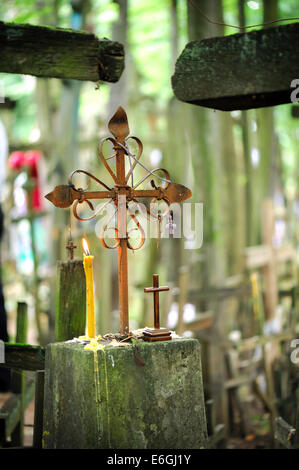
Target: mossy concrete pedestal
{"type": "Point", "coordinates": [108, 399]}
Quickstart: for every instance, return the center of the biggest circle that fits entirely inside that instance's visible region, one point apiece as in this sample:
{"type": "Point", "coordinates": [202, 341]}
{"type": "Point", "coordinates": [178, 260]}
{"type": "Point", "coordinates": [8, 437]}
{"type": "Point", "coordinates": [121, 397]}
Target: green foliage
{"type": "Point", "coordinates": [149, 44]}
{"type": "Point", "coordinates": [21, 88]}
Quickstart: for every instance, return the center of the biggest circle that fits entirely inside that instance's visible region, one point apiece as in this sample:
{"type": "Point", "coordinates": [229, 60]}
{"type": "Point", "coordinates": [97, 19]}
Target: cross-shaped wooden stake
{"type": "Point", "coordinates": [121, 194]}
{"type": "Point", "coordinates": [156, 334]}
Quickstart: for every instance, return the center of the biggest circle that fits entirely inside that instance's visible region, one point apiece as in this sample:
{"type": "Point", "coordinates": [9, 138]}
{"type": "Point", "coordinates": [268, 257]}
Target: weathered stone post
{"type": "Point", "coordinates": [144, 396]}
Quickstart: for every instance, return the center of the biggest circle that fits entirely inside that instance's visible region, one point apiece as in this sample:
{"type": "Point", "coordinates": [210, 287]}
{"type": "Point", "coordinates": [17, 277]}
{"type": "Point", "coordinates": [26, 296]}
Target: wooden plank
{"type": "Point", "coordinates": [238, 381]}
{"type": "Point", "coordinates": [285, 252]}
{"type": "Point", "coordinates": [201, 322]}
{"type": "Point", "coordinates": [263, 397]}
{"type": "Point", "coordinates": [70, 317]}
{"type": "Point", "coordinates": [241, 71]}
{"type": "Point", "coordinates": [60, 53]}
{"type": "Point", "coordinates": [257, 256]}
{"type": "Point", "coordinates": [260, 256]}
{"type": "Point", "coordinates": [24, 357]}
{"type": "Point", "coordinates": [250, 343]}
{"type": "Point", "coordinates": [220, 293]}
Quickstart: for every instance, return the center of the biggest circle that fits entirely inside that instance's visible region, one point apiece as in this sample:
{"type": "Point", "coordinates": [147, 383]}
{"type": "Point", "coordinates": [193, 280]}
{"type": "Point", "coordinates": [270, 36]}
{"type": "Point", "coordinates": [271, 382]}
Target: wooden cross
{"type": "Point", "coordinates": [156, 334]}
{"type": "Point", "coordinates": [71, 248]}
{"type": "Point", "coordinates": [121, 194]}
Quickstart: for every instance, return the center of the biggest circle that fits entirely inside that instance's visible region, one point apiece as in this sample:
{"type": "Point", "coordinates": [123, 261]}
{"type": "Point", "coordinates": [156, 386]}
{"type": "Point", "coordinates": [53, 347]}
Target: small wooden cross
{"type": "Point", "coordinates": [156, 334]}
{"type": "Point", "coordinates": [71, 247]}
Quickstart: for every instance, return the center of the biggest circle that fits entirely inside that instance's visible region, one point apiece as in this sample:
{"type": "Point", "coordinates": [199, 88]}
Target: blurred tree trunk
{"type": "Point", "coordinates": [176, 156]}
{"type": "Point", "coordinates": [210, 186]}
{"type": "Point", "coordinates": [233, 168]}
{"type": "Point", "coordinates": [218, 183]}
{"type": "Point", "coordinates": [119, 91]}
{"type": "Point", "coordinates": [245, 122]}
{"type": "Point", "coordinates": [59, 132]}
{"type": "Point", "coordinates": [205, 147]}
{"type": "Point", "coordinates": [265, 186]}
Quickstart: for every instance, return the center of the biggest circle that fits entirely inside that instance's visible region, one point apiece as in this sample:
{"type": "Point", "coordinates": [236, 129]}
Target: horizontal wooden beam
{"type": "Point", "coordinates": [8, 104]}
{"type": "Point", "coordinates": [295, 111]}
{"type": "Point", "coordinates": [260, 255]}
{"type": "Point", "coordinates": [200, 322]}
{"type": "Point", "coordinates": [257, 256]}
{"type": "Point", "coordinates": [23, 357]}
{"type": "Point", "coordinates": [221, 292]}
{"type": "Point", "coordinates": [241, 71]}
{"type": "Point", "coordinates": [60, 53]}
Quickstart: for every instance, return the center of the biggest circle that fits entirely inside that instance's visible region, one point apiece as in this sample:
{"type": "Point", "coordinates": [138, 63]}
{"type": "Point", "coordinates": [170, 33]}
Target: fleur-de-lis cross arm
{"type": "Point", "coordinates": [64, 196]}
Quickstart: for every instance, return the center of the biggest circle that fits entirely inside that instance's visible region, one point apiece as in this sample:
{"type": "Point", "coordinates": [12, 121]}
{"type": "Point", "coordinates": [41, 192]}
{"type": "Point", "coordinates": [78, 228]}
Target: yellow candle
{"type": "Point", "coordinates": [87, 263]}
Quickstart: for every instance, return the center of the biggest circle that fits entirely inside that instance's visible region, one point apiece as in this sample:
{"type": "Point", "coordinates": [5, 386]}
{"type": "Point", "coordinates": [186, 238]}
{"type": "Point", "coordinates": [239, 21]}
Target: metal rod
{"type": "Point", "coordinates": [122, 248]}
{"type": "Point", "coordinates": [156, 302]}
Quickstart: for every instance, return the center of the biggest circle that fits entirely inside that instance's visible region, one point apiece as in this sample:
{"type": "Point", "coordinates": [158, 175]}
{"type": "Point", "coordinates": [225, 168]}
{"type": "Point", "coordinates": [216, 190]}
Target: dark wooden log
{"type": "Point", "coordinates": [8, 104]}
{"type": "Point", "coordinates": [24, 357]}
{"type": "Point", "coordinates": [241, 71]}
{"type": "Point", "coordinates": [295, 111]}
{"type": "Point", "coordinates": [70, 316]}
{"type": "Point", "coordinates": [61, 53]}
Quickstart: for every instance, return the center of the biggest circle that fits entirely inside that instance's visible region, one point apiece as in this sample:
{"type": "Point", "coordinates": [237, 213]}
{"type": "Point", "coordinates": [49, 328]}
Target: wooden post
{"type": "Point", "coordinates": [183, 293]}
{"type": "Point", "coordinates": [38, 409]}
{"type": "Point", "coordinates": [267, 349]}
{"type": "Point", "coordinates": [237, 401]}
{"type": "Point", "coordinates": [91, 397]}
{"type": "Point", "coordinates": [271, 291]}
{"type": "Point", "coordinates": [18, 378]}
{"type": "Point", "coordinates": [35, 278]}
{"type": "Point", "coordinates": [286, 434]}
{"type": "Point", "coordinates": [70, 318]}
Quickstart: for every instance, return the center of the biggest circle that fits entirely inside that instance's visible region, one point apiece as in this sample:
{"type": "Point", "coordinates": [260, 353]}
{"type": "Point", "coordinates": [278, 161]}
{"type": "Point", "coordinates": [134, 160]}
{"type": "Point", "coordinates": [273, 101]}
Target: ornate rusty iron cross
{"type": "Point", "coordinates": [121, 194]}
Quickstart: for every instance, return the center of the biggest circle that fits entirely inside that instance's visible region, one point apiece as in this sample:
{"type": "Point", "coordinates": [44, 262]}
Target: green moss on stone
{"type": "Point", "coordinates": [116, 403]}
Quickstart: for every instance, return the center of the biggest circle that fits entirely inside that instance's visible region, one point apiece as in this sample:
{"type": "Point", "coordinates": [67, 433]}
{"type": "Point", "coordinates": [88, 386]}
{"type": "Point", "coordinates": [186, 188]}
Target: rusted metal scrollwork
{"type": "Point", "coordinates": [64, 196]}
